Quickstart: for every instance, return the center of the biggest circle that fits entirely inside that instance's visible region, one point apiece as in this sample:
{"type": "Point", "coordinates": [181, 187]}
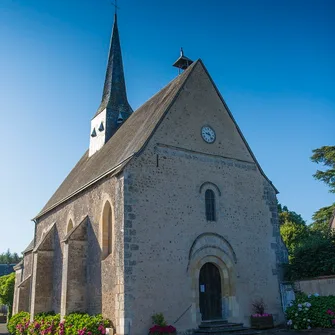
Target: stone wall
{"type": "Point", "coordinates": [165, 214]}
{"type": "Point", "coordinates": [89, 203]}
{"type": "Point", "coordinates": [322, 285]}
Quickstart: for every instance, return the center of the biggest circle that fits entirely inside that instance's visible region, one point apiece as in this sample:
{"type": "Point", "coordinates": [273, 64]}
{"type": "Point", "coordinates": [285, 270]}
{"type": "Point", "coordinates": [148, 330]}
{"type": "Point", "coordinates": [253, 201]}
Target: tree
{"type": "Point", "coordinates": [286, 215]}
{"type": "Point", "coordinates": [293, 229]}
{"type": "Point", "coordinates": [321, 219]}
{"type": "Point", "coordinates": [326, 156]}
{"type": "Point", "coordinates": [7, 291]}
{"type": "Point", "coordinates": [313, 258]}
{"type": "Point", "coordinates": [9, 258]}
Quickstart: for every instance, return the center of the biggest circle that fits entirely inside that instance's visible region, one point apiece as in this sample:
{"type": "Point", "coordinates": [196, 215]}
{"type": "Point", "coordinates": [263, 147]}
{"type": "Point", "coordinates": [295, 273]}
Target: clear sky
{"type": "Point", "coordinates": [272, 60]}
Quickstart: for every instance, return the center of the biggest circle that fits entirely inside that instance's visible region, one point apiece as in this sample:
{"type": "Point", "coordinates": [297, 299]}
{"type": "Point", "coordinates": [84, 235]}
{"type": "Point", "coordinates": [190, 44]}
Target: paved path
{"type": "Point", "coordinates": [3, 329]}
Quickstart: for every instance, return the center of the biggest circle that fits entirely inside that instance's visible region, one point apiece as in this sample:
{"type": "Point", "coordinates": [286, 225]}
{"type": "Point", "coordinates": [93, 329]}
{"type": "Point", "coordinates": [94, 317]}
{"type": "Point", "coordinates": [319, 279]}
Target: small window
{"type": "Point", "coordinates": [210, 205]}
{"type": "Point", "coordinates": [69, 226]}
{"type": "Point", "coordinates": [107, 230]}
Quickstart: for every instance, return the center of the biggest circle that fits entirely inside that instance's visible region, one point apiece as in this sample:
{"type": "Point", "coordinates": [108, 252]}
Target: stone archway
{"type": "Point", "coordinates": [213, 248]}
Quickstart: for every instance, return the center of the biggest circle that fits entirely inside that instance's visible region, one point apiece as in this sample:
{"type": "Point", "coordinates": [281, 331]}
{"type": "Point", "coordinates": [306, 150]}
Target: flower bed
{"type": "Point", "coordinates": [50, 324]}
{"type": "Point", "coordinates": [311, 311]}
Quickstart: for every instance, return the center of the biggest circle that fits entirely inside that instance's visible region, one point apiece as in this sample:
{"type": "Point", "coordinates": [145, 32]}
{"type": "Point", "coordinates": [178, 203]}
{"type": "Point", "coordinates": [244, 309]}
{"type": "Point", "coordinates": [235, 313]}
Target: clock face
{"type": "Point", "coordinates": [208, 134]}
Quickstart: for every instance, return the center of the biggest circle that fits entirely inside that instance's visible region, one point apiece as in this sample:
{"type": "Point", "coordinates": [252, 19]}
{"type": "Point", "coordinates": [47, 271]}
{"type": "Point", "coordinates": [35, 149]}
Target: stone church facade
{"type": "Point", "coordinates": [168, 211]}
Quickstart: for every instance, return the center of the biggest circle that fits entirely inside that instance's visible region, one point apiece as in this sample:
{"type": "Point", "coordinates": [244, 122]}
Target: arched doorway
{"type": "Point", "coordinates": [210, 292]}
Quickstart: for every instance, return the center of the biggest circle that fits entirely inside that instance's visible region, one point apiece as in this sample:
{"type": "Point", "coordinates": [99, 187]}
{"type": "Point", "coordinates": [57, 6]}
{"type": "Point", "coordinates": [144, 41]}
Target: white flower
{"type": "Point", "coordinates": [299, 309]}
{"type": "Point", "coordinates": [289, 322]}
{"type": "Point", "coordinates": [299, 305]}
{"type": "Point", "coordinates": [308, 320]}
{"type": "Point", "coordinates": [296, 314]}
{"type": "Point", "coordinates": [316, 295]}
{"type": "Point", "coordinates": [304, 319]}
{"type": "Point", "coordinates": [308, 304]}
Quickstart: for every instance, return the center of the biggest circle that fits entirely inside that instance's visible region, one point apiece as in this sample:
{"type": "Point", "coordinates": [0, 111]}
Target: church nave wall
{"type": "Point", "coordinates": [87, 204]}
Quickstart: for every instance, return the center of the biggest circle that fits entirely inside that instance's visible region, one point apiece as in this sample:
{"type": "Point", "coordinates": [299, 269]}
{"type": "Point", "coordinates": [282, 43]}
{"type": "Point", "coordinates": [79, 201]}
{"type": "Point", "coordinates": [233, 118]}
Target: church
{"type": "Point", "coordinates": [168, 211]}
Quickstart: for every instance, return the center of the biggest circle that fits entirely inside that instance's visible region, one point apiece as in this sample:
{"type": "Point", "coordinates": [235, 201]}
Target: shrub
{"type": "Point", "coordinates": [310, 311]}
{"type": "Point", "coordinates": [19, 318]}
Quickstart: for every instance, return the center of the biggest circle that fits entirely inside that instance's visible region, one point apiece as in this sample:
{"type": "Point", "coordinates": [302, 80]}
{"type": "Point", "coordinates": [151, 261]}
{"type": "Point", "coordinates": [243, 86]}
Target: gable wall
{"type": "Point", "coordinates": [165, 213]}
{"type": "Point", "coordinates": [102, 276]}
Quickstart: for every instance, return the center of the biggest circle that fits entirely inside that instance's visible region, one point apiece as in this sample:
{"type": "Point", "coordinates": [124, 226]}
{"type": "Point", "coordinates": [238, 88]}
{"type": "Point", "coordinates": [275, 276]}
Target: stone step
{"type": "Point", "coordinates": [222, 324]}
{"type": "Point", "coordinates": [244, 331]}
{"type": "Point", "coordinates": [218, 326]}
{"type": "Point", "coordinates": [214, 321]}
{"type": "Point", "coordinates": [222, 330]}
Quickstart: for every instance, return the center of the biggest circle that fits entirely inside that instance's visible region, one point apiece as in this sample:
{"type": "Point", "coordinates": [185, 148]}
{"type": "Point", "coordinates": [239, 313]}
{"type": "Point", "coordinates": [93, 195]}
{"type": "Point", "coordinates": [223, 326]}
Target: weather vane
{"type": "Point", "coordinates": [115, 5]}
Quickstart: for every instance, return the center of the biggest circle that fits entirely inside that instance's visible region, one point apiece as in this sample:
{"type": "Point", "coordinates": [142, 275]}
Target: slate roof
{"type": "Point", "coordinates": [129, 139]}
{"type": "Point", "coordinates": [29, 247]}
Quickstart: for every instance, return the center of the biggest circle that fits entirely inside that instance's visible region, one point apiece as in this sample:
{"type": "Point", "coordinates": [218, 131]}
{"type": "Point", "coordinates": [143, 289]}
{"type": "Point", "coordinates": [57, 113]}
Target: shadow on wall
{"type": "Point", "coordinates": [94, 302]}
{"type": "Point", "coordinates": [57, 273]}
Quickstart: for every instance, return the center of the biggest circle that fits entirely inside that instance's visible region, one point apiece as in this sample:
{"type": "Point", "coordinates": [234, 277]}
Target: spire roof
{"type": "Point", "coordinates": [114, 92]}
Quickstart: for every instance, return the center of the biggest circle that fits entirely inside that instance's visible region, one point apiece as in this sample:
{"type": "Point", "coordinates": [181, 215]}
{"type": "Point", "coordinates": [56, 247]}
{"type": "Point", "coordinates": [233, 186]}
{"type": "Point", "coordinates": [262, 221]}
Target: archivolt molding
{"type": "Point", "coordinates": [208, 183]}
{"type": "Point", "coordinates": [211, 244]}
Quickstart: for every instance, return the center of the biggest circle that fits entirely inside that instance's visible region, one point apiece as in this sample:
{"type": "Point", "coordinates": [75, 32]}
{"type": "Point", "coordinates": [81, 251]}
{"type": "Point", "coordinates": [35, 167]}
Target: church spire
{"type": "Point", "coordinates": [114, 92]}
{"type": "Point", "coordinates": [114, 108]}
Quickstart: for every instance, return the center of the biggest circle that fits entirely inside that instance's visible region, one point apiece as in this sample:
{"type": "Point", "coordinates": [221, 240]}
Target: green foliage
{"type": "Point", "coordinates": [9, 258]}
{"type": "Point", "coordinates": [310, 311]}
{"type": "Point", "coordinates": [326, 156]}
{"type": "Point", "coordinates": [293, 228]}
{"type": "Point", "coordinates": [315, 257]}
{"type": "Point", "coordinates": [159, 320]}
{"type": "Point", "coordinates": [7, 284]}
{"type": "Point", "coordinates": [322, 218]}
{"type": "Point", "coordinates": [51, 324]}
{"type": "Point", "coordinates": [285, 215]}
{"type": "Point", "coordinates": [19, 318]}
{"type": "Point", "coordinates": [293, 235]}
{"type": "Point", "coordinates": [76, 322]}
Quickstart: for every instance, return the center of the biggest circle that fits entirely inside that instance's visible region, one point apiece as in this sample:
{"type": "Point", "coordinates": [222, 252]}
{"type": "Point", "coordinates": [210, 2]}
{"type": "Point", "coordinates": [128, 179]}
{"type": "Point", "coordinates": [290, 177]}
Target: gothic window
{"type": "Point", "coordinates": [69, 226]}
{"type": "Point", "coordinates": [107, 230]}
{"type": "Point", "coordinates": [210, 205]}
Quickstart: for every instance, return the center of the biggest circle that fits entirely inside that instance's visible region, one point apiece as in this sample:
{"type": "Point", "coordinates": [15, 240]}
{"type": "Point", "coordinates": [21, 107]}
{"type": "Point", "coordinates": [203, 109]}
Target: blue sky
{"type": "Point", "coordinates": [273, 62]}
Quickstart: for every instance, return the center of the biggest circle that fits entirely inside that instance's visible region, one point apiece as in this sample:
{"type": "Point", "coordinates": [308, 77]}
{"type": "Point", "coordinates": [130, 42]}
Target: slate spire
{"type": "Point", "coordinates": [114, 108]}
{"type": "Point", "coordinates": [114, 95]}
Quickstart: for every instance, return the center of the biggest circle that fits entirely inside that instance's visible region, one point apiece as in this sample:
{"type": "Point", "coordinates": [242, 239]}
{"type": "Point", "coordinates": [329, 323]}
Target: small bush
{"type": "Point", "coordinates": [310, 311]}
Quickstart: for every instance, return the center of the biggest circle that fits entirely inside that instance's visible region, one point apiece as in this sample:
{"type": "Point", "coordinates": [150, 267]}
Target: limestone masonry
{"type": "Point", "coordinates": [168, 211]}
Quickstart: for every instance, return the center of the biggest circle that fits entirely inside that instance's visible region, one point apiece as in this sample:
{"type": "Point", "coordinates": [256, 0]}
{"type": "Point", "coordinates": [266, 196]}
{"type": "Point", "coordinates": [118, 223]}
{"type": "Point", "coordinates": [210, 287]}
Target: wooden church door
{"type": "Point", "coordinates": [210, 292]}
